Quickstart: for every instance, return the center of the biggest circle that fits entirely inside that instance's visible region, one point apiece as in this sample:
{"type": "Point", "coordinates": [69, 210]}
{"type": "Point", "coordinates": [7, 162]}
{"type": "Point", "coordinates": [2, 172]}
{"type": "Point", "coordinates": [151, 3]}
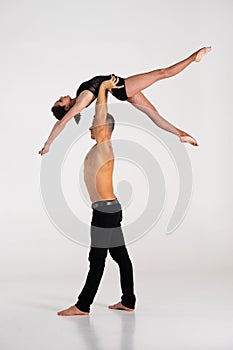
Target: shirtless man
{"type": "Point", "coordinates": [66, 107]}
{"type": "Point", "coordinates": [106, 232]}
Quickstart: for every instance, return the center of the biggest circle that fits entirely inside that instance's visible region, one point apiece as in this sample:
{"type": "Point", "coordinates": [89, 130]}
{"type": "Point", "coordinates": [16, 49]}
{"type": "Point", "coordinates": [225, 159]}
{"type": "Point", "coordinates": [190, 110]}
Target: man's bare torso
{"type": "Point", "coordinates": [98, 171]}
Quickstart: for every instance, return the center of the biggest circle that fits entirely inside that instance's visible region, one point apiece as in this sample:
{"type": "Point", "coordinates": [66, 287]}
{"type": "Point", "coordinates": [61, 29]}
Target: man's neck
{"type": "Point", "coordinates": [103, 140]}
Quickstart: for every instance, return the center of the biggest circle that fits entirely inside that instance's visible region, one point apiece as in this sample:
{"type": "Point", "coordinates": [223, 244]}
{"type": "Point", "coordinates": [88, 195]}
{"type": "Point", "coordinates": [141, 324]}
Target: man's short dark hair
{"type": "Point", "coordinates": [110, 121]}
{"type": "Point", "coordinates": [59, 111]}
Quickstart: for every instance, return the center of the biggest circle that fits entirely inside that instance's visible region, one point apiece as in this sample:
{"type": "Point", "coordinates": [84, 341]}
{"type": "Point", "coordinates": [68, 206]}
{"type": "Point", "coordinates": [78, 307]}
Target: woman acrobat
{"type": "Point", "coordinates": [130, 90]}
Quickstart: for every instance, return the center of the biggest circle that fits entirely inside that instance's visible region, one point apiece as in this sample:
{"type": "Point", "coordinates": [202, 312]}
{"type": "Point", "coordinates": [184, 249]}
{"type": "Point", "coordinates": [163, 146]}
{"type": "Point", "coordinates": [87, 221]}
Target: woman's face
{"type": "Point", "coordinates": [64, 101]}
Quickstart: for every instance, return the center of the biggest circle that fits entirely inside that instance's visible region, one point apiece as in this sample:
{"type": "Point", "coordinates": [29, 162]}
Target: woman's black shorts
{"type": "Point", "coordinates": [93, 85]}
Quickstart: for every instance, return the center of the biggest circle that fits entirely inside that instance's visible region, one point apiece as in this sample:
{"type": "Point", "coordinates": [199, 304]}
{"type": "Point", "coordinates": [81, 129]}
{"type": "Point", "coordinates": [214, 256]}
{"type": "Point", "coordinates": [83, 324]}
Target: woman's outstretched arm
{"type": "Point", "coordinates": [82, 101]}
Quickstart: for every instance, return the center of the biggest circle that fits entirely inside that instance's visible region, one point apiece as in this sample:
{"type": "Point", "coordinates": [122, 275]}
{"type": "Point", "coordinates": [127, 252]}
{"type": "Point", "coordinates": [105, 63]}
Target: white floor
{"type": "Point", "coordinates": [174, 312]}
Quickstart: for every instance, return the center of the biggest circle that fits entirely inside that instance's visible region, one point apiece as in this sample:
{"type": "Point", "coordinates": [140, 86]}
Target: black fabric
{"type": "Point", "coordinates": [107, 221]}
{"type": "Point", "coordinates": [106, 229]}
{"type": "Point", "coordinates": [94, 83]}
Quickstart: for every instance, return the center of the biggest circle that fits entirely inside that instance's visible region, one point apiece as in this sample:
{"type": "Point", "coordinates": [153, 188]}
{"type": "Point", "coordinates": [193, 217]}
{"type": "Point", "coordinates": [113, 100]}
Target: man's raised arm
{"type": "Point", "coordinates": [101, 107]}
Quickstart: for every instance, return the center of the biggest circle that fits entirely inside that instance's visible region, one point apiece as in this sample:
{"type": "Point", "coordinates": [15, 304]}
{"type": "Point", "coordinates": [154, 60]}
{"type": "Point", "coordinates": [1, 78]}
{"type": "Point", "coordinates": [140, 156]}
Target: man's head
{"type": "Point", "coordinates": [61, 107]}
{"type": "Point", "coordinates": [101, 131]}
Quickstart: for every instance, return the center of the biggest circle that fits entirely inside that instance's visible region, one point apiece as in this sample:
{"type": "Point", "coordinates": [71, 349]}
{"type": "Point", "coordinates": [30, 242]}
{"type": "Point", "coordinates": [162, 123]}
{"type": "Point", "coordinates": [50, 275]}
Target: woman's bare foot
{"type": "Point", "coordinates": [119, 306]}
{"type": "Point", "coordinates": [72, 310]}
{"type": "Point", "coordinates": [202, 52]}
{"type": "Point", "coordinates": [189, 139]}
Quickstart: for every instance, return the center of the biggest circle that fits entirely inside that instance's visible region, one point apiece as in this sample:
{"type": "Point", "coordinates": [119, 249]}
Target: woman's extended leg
{"type": "Point", "coordinates": [139, 82]}
{"type": "Point", "coordinates": [140, 102]}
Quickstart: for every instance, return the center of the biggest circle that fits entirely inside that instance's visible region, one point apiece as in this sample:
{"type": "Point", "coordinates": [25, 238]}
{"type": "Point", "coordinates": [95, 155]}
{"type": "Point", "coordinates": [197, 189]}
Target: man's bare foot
{"type": "Point", "coordinates": [189, 139]}
{"type": "Point", "coordinates": [72, 310]}
{"type": "Point", "coordinates": [119, 306]}
{"type": "Point", "coordinates": [202, 52]}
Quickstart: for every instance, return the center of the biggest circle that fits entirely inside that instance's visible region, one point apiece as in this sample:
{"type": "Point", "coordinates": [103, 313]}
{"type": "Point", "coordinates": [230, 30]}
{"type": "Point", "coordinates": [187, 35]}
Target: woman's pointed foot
{"type": "Point", "coordinates": [202, 52]}
{"type": "Point", "coordinates": [119, 306]}
{"type": "Point", "coordinates": [189, 139]}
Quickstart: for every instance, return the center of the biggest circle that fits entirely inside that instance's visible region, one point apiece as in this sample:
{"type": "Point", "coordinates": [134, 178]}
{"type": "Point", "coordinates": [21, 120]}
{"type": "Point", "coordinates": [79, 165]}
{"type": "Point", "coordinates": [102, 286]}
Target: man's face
{"type": "Point", "coordinates": [96, 129]}
{"type": "Point", "coordinates": [92, 130]}
{"type": "Point", "coordinates": [63, 101]}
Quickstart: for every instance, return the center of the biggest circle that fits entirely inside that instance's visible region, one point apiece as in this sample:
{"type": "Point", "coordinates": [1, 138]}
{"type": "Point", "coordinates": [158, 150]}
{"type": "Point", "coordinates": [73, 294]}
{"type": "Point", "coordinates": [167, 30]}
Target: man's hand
{"type": "Point", "coordinates": [112, 83]}
{"type": "Point", "coordinates": [44, 150]}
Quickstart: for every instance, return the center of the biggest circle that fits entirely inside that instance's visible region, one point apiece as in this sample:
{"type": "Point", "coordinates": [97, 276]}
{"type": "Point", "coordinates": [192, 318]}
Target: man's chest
{"type": "Point", "coordinates": [98, 156]}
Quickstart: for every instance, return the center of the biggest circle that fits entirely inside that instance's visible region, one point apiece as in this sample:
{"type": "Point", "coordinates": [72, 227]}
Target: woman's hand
{"type": "Point", "coordinates": [44, 150]}
{"type": "Point", "coordinates": [111, 83]}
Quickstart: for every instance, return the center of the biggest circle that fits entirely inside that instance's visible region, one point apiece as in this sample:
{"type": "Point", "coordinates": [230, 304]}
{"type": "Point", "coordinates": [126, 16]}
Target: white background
{"type": "Point", "coordinates": [47, 49]}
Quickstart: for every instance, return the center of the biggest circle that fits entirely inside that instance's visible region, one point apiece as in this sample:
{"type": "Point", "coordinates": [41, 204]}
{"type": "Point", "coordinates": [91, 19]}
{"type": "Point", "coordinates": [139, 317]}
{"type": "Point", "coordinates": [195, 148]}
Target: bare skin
{"type": "Point", "coordinates": [202, 53]}
{"type": "Point", "coordinates": [120, 306]}
{"type": "Point", "coordinates": [98, 170]}
{"type": "Point", "coordinates": [72, 311]}
{"type": "Point", "coordinates": [134, 85]}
